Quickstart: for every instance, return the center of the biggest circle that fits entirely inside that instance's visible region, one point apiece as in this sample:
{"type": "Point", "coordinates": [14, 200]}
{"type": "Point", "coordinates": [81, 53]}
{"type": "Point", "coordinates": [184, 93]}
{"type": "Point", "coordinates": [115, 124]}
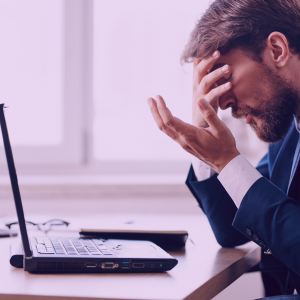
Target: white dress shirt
{"type": "Point", "coordinates": [237, 177]}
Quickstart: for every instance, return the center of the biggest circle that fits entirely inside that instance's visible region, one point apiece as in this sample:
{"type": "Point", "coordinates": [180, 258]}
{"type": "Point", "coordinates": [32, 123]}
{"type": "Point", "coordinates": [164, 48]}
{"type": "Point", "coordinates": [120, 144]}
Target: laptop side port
{"type": "Point", "coordinates": [109, 265]}
{"type": "Point", "coordinates": [125, 266]}
{"type": "Point", "coordinates": [91, 265]}
{"type": "Point", "coordinates": [138, 265]}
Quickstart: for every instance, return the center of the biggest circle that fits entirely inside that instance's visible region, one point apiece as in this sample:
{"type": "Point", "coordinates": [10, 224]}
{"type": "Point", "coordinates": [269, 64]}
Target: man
{"type": "Point", "coordinates": [246, 55]}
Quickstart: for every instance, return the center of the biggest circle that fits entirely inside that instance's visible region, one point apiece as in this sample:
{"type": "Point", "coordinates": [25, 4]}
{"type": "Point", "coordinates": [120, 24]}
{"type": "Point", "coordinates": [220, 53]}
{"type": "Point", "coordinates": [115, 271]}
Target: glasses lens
{"type": "Point", "coordinates": [47, 226]}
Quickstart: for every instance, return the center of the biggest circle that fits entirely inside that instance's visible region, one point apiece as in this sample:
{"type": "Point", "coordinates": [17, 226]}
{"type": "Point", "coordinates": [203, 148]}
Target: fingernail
{"type": "Point", "coordinates": [148, 100]}
{"type": "Point", "coordinates": [203, 103]}
{"type": "Point", "coordinates": [215, 54]}
{"type": "Point", "coordinates": [227, 85]}
{"type": "Point", "coordinates": [225, 68]}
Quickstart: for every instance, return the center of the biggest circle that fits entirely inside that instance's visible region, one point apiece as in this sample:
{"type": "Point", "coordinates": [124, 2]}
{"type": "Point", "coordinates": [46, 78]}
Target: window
{"type": "Point", "coordinates": [38, 83]}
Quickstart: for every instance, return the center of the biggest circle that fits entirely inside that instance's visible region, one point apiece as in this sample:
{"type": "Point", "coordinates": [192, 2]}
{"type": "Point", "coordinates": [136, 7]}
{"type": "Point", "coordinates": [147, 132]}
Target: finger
{"type": "Point", "coordinates": [174, 123]}
{"type": "Point", "coordinates": [196, 61]}
{"type": "Point", "coordinates": [185, 131]}
{"type": "Point", "coordinates": [210, 115]}
{"type": "Point", "coordinates": [175, 136]}
{"type": "Point", "coordinates": [159, 121]}
{"type": "Point", "coordinates": [206, 64]}
{"type": "Point", "coordinates": [211, 78]}
{"type": "Point", "coordinates": [217, 92]}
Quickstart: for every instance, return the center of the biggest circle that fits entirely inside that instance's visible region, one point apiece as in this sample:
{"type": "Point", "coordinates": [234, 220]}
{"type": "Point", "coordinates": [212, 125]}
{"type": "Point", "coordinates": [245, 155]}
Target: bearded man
{"type": "Point", "coordinates": [245, 55]}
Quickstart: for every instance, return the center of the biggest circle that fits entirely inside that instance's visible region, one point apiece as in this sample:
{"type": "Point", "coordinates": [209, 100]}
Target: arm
{"type": "Point", "coordinates": [219, 207]}
{"type": "Point", "coordinates": [274, 225]}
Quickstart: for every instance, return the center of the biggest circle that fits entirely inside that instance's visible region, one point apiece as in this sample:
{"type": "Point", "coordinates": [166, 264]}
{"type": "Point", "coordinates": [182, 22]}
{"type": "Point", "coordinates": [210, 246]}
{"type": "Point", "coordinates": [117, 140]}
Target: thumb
{"type": "Point", "coordinates": [210, 115]}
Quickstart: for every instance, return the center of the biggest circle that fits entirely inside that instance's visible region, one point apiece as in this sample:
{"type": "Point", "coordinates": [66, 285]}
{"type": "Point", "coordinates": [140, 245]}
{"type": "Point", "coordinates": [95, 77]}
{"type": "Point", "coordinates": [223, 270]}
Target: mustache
{"type": "Point", "coordinates": [243, 111]}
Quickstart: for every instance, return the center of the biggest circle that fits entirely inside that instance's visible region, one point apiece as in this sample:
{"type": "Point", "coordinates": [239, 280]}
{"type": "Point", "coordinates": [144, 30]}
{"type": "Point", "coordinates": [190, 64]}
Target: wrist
{"type": "Point", "coordinates": [225, 160]}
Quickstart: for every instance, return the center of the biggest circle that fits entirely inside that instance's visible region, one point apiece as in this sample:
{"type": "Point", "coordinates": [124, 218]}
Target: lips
{"type": "Point", "coordinates": [248, 119]}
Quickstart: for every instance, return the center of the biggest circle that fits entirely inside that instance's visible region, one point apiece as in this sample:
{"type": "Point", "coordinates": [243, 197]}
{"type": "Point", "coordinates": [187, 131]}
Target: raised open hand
{"type": "Point", "coordinates": [215, 145]}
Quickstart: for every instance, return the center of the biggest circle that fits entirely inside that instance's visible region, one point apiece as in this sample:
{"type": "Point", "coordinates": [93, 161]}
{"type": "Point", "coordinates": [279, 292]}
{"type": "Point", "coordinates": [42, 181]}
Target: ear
{"type": "Point", "coordinates": [278, 49]}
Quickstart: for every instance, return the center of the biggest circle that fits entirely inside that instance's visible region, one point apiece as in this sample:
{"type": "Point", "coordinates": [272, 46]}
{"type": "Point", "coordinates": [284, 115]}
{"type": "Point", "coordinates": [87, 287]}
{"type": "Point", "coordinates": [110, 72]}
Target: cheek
{"type": "Point", "coordinates": [243, 90]}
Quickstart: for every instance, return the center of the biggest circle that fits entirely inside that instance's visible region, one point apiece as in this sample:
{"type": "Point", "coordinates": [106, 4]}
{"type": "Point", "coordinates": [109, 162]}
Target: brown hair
{"type": "Point", "coordinates": [245, 24]}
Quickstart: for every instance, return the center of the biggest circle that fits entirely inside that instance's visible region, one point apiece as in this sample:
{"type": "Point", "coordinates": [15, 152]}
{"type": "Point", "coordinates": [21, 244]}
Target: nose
{"type": "Point", "coordinates": [226, 101]}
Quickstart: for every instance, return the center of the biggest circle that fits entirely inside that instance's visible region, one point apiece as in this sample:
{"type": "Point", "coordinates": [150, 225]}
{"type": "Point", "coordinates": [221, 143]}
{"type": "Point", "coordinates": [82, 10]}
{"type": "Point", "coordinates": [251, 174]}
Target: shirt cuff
{"type": "Point", "coordinates": [202, 170]}
{"type": "Point", "coordinates": [237, 178]}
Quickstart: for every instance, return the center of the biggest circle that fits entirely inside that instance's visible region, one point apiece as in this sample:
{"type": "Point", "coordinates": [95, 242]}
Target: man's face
{"type": "Point", "coordinates": [266, 100]}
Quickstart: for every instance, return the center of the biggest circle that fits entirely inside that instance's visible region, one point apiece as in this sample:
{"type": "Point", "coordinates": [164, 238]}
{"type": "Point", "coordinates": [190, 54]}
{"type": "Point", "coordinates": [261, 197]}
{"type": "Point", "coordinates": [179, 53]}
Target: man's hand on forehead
{"type": "Point", "coordinates": [206, 73]}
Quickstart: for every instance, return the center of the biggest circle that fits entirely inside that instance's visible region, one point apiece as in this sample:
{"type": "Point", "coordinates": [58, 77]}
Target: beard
{"type": "Point", "coordinates": [275, 113]}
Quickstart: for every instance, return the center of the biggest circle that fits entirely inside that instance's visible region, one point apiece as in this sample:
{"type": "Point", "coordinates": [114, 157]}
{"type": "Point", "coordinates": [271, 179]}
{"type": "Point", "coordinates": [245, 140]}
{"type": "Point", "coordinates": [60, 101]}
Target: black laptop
{"type": "Point", "coordinates": [81, 255]}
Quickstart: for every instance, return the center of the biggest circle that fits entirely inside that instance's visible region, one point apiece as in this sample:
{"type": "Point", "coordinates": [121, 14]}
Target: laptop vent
{"type": "Point", "coordinates": [45, 265]}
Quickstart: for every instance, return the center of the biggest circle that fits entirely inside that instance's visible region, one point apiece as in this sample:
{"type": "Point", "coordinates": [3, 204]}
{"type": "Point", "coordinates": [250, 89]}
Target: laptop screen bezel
{"type": "Point", "coordinates": [14, 183]}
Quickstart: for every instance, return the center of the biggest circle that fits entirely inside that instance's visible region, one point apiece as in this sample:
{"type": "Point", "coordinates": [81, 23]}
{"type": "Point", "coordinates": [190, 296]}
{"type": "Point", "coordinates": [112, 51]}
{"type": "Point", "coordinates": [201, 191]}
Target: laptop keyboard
{"type": "Point", "coordinates": [72, 246]}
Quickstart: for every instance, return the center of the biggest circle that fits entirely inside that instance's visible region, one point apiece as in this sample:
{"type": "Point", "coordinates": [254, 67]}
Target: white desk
{"type": "Point", "coordinates": [204, 270]}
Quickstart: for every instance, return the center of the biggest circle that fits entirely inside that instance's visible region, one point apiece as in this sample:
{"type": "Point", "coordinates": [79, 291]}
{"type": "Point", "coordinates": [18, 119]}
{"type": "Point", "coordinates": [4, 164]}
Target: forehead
{"type": "Point", "coordinates": [235, 57]}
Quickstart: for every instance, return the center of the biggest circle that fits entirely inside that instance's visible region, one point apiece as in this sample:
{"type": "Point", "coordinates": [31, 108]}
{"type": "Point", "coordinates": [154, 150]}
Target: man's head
{"type": "Point", "coordinates": [260, 41]}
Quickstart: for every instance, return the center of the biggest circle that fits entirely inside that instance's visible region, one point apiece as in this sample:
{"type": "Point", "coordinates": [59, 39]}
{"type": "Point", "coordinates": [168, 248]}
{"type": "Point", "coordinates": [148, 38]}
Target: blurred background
{"type": "Point", "coordinates": [75, 76]}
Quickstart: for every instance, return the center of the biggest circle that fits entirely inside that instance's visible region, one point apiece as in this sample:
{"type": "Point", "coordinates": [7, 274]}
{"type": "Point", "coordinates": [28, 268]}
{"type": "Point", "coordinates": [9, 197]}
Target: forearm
{"type": "Point", "coordinates": [271, 219]}
{"type": "Point", "coordinates": [215, 201]}
{"type": "Point", "coordinates": [218, 207]}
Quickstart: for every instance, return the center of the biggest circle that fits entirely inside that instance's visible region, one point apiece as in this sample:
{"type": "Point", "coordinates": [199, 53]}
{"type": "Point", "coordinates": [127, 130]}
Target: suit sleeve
{"type": "Point", "coordinates": [271, 219]}
{"type": "Point", "coordinates": [219, 207]}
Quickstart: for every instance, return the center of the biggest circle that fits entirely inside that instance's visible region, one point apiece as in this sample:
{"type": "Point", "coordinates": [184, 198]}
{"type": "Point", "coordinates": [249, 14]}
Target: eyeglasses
{"type": "Point", "coordinates": [45, 227]}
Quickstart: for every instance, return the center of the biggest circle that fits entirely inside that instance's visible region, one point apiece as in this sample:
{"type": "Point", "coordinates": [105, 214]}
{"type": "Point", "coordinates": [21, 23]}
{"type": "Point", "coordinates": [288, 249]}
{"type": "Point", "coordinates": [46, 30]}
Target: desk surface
{"type": "Point", "coordinates": [204, 270]}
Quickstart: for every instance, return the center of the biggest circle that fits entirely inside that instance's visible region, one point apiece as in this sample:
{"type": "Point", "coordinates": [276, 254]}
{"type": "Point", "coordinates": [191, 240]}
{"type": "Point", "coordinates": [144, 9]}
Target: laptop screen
{"type": "Point", "coordinates": [14, 183]}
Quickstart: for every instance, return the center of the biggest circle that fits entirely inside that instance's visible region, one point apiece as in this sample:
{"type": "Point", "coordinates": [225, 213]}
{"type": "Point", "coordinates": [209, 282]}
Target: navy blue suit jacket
{"type": "Point", "coordinates": [267, 215]}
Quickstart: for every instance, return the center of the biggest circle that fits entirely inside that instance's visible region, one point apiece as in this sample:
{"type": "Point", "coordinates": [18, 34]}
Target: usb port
{"type": "Point", "coordinates": [138, 265]}
{"type": "Point", "coordinates": [125, 260]}
{"type": "Point", "coordinates": [91, 265]}
{"type": "Point", "coordinates": [125, 266]}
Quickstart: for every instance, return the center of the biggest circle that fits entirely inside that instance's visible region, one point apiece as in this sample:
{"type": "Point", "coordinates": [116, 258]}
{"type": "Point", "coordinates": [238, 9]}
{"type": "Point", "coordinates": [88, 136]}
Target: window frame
{"type": "Point", "coordinates": [76, 94]}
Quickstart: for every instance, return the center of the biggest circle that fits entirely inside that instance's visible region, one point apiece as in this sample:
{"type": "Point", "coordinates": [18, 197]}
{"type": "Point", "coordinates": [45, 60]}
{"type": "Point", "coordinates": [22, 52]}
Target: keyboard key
{"type": "Point", "coordinates": [92, 251]}
{"type": "Point", "coordinates": [83, 252]}
{"type": "Point", "coordinates": [102, 248]}
{"type": "Point", "coordinates": [87, 242]}
{"type": "Point", "coordinates": [42, 249]}
{"type": "Point", "coordinates": [106, 252]}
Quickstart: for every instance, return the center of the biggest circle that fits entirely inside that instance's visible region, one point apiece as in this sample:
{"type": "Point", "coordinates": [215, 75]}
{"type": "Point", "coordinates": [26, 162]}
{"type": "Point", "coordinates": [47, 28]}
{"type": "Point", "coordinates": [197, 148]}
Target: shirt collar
{"type": "Point", "coordinates": [297, 123]}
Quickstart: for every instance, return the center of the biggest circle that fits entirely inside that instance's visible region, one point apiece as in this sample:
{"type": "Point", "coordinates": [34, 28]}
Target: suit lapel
{"type": "Point", "coordinates": [295, 164]}
{"type": "Point", "coordinates": [282, 168]}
